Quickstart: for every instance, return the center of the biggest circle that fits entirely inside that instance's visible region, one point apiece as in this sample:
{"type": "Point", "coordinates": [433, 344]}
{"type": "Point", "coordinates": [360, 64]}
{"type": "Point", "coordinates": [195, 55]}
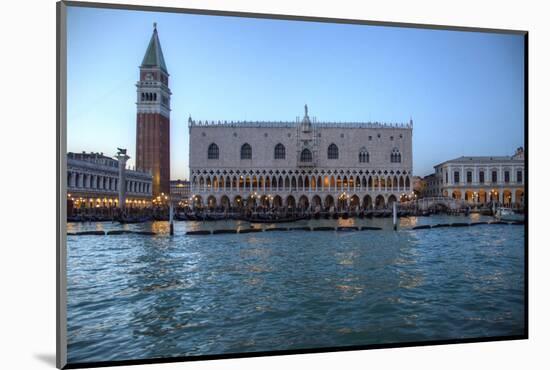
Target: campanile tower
{"type": "Point", "coordinates": [153, 117]}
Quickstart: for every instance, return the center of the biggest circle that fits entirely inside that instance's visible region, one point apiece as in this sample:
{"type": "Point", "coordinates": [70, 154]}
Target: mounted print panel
{"type": "Point", "coordinates": [243, 185]}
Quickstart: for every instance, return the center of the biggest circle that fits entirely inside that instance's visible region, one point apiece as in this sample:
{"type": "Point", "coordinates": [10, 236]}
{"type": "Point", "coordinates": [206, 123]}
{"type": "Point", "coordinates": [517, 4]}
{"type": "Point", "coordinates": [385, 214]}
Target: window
{"type": "Point", "coordinates": [213, 151]}
{"type": "Point", "coordinates": [519, 177]}
{"type": "Point", "coordinates": [506, 176]}
{"type": "Point", "coordinates": [494, 176]}
{"type": "Point", "coordinates": [364, 156]}
{"type": "Point", "coordinates": [481, 177]}
{"type": "Point", "coordinates": [395, 156]}
{"type": "Point", "coordinates": [446, 177]}
{"type": "Point", "coordinates": [306, 156]}
{"type": "Point", "coordinates": [246, 151]}
{"type": "Point", "coordinates": [456, 177]}
{"type": "Point", "coordinates": [332, 151]}
{"type": "Point", "coordinates": [469, 177]}
{"type": "Point", "coordinates": [370, 138]}
{"type": "Point", "coordinates": [280, 152]}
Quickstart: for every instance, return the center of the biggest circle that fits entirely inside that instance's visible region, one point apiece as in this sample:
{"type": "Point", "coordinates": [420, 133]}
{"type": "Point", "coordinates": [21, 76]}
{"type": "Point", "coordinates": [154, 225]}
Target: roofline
{"type": "Point", "coordinates": [293, 124]}
{"type": "Point", "coordinates": [496, 161]}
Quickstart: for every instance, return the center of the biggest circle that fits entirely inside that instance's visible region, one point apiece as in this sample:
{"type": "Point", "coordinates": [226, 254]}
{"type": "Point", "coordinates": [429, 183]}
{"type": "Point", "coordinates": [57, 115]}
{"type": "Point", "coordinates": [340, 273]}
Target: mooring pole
{"type": "Point", "coordinates": [395, 215]}
{"type": "Point", "coordinates": [171, 218]}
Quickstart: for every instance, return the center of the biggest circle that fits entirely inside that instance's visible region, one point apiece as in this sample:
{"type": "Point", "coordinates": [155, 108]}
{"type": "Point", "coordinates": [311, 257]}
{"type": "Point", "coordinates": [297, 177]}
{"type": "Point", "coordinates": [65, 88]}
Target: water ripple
{"type": "Point", "coordinates": [132, 297]}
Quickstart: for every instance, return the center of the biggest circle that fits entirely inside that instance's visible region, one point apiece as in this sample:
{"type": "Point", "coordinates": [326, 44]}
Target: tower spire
{"type": "Point", "coordinates": [153, 56]}
{"type": "Point", "coordinates": [305, 108]}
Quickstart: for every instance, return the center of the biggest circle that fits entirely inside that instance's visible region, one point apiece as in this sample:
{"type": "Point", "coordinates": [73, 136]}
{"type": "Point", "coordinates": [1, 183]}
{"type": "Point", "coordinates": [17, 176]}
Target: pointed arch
{"type": "Point", "coordinates": [213, 151]}
{"type": "Point", "coordinates": [306, 156]}
{"type": "Point", "coordinates": [332, 151]}
{"type": "Point", "coordinates": [246, 151]}
{"type": "Point", "coordinates": [364, 156]}
{"type": "Point", "coordinates": [279, 152]}
{"type": "Point", "coordinates": [395, 156]}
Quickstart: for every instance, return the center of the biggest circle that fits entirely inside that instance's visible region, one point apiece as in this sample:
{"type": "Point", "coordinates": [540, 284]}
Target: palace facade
{"type": "Point", "coordinates": [299, 164]}
{"type": "Point", "coordinates": [481, 179]}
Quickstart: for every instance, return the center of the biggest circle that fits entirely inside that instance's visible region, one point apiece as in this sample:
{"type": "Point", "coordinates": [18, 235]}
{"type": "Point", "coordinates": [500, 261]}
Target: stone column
{"type": "Point", "coordinates": [122, 159]}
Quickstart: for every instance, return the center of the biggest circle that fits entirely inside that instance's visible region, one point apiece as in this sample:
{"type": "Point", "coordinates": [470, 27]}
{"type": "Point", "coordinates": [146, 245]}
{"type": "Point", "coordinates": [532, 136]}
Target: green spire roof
{"type": "Point", "coordinates": [153, 56]}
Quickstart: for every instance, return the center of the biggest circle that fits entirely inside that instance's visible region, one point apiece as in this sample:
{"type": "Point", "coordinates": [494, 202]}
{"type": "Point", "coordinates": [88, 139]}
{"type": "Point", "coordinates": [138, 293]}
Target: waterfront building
{"type": "Point", "coordinates": [93, 181]}
{"type": "Point", "coordinates": [180, 191]}
{"type": "Point", "coordinates": [418, 185]}
{"type": "Point", "coordinates": [299, 164]}
{"type": "Point", "coordinates": [153, 117]}
{"type": "Point", "coordinates": [481, 179]}
{"type": "Point", "coordinates": [430, 188]}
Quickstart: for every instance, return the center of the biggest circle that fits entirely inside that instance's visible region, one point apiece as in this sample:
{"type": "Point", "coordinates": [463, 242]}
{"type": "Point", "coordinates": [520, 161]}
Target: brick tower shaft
{"type": "Point", "coordinates": [153, 117]}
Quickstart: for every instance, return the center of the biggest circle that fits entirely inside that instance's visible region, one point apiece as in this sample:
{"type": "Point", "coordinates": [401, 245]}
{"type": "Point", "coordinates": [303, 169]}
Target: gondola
{"type": "Point", "coordinates": [132, 220]}
{"type": "Point", "coordinates": [273, 220]}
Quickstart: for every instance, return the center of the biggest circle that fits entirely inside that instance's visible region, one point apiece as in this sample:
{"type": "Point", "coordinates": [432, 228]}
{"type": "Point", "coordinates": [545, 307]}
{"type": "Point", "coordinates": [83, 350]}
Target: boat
{"type": "Point", "coordinates": [507, 214]}
{"type": "Point", "coordinates": [214, 217]}
{"type": "Point", "coordinates": [273, 220]}
{"type": "Point", "coordinates": [132, 219]}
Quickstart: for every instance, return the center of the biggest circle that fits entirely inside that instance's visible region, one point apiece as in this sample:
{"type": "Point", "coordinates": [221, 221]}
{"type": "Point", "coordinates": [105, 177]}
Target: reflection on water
{"type": "Point", "coordinates": [134, 296]}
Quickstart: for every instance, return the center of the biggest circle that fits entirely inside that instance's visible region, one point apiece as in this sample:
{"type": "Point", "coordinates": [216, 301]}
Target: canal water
{"type": "Point", "coordinates": [134, 297]}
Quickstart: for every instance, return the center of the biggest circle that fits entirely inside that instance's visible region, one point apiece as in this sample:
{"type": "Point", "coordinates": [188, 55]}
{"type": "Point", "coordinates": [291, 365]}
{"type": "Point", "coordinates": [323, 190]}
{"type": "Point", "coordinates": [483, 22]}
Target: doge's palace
{"type": "Point", "coordinates": [302, 164]}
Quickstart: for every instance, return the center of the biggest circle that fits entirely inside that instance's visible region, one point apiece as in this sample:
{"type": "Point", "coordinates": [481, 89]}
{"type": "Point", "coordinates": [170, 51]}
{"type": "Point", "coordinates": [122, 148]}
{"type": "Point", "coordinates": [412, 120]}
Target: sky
{"type": "Point", "coordinates": [463, 90]}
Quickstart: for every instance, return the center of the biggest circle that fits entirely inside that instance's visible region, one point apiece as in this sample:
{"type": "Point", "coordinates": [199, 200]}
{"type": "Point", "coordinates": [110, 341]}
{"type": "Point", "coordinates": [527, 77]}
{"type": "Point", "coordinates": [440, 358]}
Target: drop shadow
{"type": "Point", "coordinates": [47, 358]}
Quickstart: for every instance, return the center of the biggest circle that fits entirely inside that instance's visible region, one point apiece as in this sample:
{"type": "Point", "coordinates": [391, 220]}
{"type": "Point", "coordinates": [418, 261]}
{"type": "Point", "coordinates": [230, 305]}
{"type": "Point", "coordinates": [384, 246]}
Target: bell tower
{"type": "Point", "coordinates": [153, 117]}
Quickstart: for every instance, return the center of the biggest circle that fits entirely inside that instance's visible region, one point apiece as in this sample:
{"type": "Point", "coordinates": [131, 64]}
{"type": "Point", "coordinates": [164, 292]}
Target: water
{"type": "Point", "coordinates": [136, 297]}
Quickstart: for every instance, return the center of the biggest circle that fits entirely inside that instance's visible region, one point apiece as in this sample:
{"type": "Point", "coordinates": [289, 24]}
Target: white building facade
{"type": "Point", "coordinates": [93, 180]}
{"type": "Point", "coordinates": [482, 180]}
{"type": "Point", "coordinates": [299, 164]}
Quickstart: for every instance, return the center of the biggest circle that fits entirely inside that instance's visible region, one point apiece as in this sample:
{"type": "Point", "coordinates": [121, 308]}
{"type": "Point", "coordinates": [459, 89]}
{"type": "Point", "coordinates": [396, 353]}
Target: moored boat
{"type": "Point", "coordinates": [508, 214]}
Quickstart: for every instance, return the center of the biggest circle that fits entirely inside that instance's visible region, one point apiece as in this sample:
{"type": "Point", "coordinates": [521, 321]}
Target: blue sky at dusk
{"type": "Point", "coordinates": [464, 90]}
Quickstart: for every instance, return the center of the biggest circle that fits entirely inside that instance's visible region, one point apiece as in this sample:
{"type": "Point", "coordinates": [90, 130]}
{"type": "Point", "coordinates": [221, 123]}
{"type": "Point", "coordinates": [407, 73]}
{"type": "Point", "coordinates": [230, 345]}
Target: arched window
{"type": "Point", "coordinates": [364, 156]}
{"type": "Point", "coordinates": [280, 152]}
{"type": "Point", "coordinates": [246, 151]}
{"type": "Point", "coordinates": [213, 151]}
{"type": "Point", "coordinates": [395, 156]}
{"type": "Point", "coordinates": [332, 151]}
{"type": "Point", "coordinates": [306, 156]}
